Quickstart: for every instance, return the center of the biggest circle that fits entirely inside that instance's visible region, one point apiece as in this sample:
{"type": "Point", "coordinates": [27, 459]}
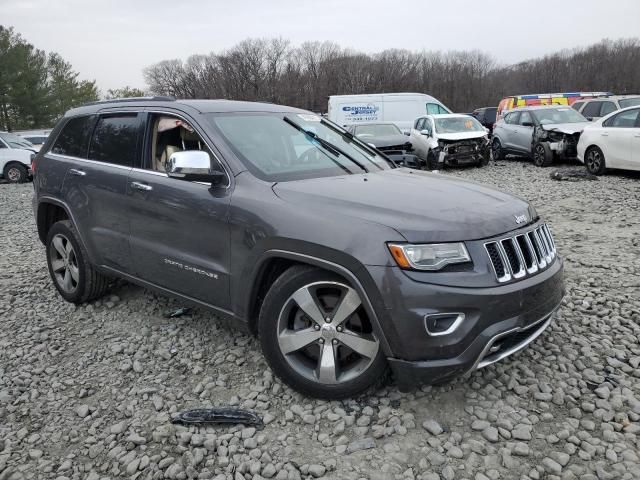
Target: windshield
{"type": "Point", "coordinates": [548, 116]}
{"type": "Point", "coordinates": [14, 141]}
{"type": "Point", "coordinates": [629, 102]}
{"type": "Point", "coordinates": [379, 130]}
{"type": "Point", "coordinates": [291, 146]}
{"type": "Point", "coordinates": [457, 125]}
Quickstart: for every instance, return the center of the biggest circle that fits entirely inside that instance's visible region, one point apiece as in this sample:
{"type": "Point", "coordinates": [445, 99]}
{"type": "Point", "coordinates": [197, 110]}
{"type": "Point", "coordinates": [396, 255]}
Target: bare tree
{"type": "Point", "coordinates": [272, 70]}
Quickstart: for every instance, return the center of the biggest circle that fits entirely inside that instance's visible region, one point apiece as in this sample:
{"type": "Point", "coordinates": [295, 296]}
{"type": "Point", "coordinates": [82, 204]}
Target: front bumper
{"type": "Point", "coordinates": [490, 347]}
{"type": "Point", "coordinates": [404, 159]}
{"type": "Point", "coordinates": [445, 157]}
{"type": "Point", "coordinates": [498, 322]}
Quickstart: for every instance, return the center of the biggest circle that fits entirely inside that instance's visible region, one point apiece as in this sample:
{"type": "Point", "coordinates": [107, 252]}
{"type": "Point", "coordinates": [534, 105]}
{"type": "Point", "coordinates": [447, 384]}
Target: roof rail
{"type": "Point", "coordinates": [134, 99]}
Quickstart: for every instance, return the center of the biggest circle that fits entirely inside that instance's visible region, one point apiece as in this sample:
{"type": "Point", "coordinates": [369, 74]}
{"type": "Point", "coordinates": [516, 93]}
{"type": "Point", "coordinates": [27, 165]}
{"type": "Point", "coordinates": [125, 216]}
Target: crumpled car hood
{"type": "Point", "coordinates": [461, 135]}
{"type": "Point", "coordinates": [421, 206]}
{"type": "Point", "coordinates": [569, 128]}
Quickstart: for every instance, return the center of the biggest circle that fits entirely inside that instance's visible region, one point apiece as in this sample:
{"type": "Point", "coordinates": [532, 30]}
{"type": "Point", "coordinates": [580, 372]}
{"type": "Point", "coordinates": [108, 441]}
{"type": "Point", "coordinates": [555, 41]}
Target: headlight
{"type": "Point", "coordinates": [433, 256]}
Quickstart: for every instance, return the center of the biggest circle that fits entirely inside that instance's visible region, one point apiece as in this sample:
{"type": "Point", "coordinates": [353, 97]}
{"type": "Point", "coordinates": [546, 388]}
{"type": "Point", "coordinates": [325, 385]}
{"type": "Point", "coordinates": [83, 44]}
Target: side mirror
{"type": "Point", "coordinates": [487, 130]}
{"type": "Point", "coordinates": [425, 132]}
{"type": "Point", "coordinates": [194, 166]}
{"type": "Point", "coordinates": [527, 124]}
{"type": "Point", "coordinates": [590, 119]}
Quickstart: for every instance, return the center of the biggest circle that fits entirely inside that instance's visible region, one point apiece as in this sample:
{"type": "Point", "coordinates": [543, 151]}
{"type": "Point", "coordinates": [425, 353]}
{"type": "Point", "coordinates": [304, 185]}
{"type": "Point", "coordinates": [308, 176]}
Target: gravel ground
{"type": "Point", "coordinates": [87, 392]}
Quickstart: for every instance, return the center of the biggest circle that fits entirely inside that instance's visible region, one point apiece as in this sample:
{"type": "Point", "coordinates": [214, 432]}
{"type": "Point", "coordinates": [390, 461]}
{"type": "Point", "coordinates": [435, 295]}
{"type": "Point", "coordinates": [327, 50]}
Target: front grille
{"type": "Point", "coordinates": [521, 255]}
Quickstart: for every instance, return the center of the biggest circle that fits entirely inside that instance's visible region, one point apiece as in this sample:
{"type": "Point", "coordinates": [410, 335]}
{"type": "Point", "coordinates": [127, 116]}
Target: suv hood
{"type": "Point", "coordinates": [421, 206]}
{"type": "Point", "coordinates": [569, 128]}
{"type": "Point", "coordinates": [461, 135]}
{"type": "Point", "coordinates": [387, 140]}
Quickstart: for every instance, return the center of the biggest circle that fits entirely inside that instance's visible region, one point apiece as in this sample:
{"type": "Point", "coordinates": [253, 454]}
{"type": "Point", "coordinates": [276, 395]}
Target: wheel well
{"type": "Point", "coordinates": [48, 214]}
{"type": "Point", "coordinates": [269, 272]}
{"type": "Point", "coordinates": [13, 162]}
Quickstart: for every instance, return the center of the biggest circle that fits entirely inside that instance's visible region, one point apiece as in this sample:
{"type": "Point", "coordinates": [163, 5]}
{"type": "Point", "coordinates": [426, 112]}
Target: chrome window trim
{"type": "Point", "coordinates": [160, 174]}
{"type": "Point", "coordinates": [87, 160]}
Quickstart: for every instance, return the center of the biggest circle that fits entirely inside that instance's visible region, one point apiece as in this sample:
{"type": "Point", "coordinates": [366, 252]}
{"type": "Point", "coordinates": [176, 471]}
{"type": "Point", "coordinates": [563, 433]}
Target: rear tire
{"type": "Point", "coordinates": [542, 155]}
{"type": "Point", "coordinates": [316, 335]}
{"type": "Point", "coordinates": [15, 173]}
{"type": "Point", "coordinates": [496, 149]}
{"type": "Point", "coordinates": [594, 161]}
{"type": "Point", "coordinates": [72, 274]}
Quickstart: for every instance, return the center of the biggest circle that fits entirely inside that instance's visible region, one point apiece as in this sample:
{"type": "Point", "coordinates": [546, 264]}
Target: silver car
{"type": "Point", "coordinates": [541, 132]}
{"type": "Point", "coordinates": [595, 108]}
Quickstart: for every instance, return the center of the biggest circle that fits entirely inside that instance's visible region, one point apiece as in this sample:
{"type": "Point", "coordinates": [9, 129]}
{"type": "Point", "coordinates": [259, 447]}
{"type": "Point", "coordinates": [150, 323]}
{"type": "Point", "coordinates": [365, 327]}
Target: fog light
{"type": "Point", "coordinates": [438, 324]}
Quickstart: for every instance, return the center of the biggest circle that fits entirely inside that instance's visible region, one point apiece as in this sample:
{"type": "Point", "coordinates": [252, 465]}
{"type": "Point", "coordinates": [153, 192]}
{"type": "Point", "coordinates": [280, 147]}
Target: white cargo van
{"type": "Point", "coordinates": [399, 108]}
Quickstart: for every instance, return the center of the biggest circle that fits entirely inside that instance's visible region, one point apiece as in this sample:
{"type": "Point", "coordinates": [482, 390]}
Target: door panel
{"type": "Point", "coordinates": [617, 146]}
{"type": "Point", "coordinates": [95, 193]}
{"type": "Point", "coordinates": [522, 135]}
{"type": "Point", "coordinates": [95, 188]}
{"type": "Point", "coordinates": [180, 235]}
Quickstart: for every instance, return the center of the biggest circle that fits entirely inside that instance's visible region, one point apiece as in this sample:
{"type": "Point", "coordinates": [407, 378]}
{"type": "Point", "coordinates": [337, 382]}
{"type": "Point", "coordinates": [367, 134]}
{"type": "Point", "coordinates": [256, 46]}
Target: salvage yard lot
{"type": "Point", "coordinates": [87, 392]}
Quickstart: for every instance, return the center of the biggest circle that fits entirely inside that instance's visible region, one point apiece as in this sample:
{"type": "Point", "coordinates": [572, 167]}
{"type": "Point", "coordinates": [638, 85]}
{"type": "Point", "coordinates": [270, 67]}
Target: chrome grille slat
{"type": "Point", "coordinates": [520, 255]}
{"type": "Point", "coordinates": [545, 244]}
{"type": "Point", "coordinates": [534, 260]}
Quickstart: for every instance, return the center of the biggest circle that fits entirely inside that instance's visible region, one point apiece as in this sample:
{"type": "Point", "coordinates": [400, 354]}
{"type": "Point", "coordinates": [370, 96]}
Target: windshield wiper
{"type": "Point", "coordinates": [327, 145]}
{"type": "Point", "coordinates": [353, 139]}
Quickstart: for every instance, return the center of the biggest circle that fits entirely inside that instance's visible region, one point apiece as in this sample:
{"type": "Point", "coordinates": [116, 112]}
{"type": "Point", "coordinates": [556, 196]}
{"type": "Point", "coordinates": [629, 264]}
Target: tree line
{"type": "Point", "coordinates": [273, 70]}
{"type": "Point", "coordinates": [36, 87]}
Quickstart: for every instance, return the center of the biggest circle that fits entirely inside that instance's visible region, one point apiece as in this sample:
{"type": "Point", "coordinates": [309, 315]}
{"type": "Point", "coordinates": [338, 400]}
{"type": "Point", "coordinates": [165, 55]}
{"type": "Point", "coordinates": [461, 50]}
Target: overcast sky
{"type": "Point", "coordinates": [111, 41]}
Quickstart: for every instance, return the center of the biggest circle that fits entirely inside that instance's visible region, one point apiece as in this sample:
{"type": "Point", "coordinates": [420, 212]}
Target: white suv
{"type": "Point", "coordinates": [16, 154]}
{"type": "Point", "coordinates": [595, 108]}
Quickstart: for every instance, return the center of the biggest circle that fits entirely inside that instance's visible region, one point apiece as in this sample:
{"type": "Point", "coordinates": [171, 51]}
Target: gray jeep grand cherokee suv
{"type": "Point", "coordinates": [285, 224]}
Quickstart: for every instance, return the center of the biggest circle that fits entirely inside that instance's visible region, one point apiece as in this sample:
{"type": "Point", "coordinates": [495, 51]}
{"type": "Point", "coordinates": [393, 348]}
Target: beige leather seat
{"type": "Point", "coordinates": [188, 140]}
{"type": "Point", "coordinates": [164, 157]}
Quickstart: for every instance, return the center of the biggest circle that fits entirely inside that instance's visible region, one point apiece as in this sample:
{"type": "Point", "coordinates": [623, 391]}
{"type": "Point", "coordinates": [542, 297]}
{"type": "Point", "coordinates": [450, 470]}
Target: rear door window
{"type": "Point", "coordinates": [607, 108]}
{"type": "Point", "coordinates": [115, 139]}
{"type": "Point", "coordinates": [73, 140]}
{"type": "Point", "coordinates": [592, 109]}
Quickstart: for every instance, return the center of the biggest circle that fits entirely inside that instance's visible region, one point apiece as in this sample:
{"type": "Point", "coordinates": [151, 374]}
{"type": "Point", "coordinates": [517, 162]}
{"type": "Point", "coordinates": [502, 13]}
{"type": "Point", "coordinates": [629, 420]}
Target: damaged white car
{"type": "Point", "coordinates": [450, 139]}
{"type": "Point", "coordinates": [541, 132]}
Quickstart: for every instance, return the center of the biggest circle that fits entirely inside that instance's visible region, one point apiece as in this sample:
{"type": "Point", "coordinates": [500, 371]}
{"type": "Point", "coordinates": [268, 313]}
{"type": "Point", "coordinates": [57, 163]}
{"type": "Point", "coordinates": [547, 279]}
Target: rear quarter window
{"type": "Point", "coordinates": [73, 139]}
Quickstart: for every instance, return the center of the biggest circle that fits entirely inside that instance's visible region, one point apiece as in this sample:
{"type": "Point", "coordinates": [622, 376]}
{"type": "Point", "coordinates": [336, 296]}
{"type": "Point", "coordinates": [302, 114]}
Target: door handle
{"type": "Point", "coordinates": [141, 186]}
{"type": "Point", "coordinates": [604, 134]}
{"type": "Point", "coordinates": [77, 173]}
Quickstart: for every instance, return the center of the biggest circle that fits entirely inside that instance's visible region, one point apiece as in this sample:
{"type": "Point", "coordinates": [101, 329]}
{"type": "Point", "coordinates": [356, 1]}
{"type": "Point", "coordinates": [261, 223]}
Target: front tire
{"type": "Point", "coordinates": [15, 173]}
{"type": "Point", "coordinates": [542, 155]}
{"type": "Point", "coordinates": [496, 149]}
{"type": "Point", "coordinates": [72, 274]}
{"type": "Point", "coordinates": [432, 160]}
{"type": "Point", "coordinates": [317, 337]}
{"type": "Point", "coordinates": [594, 161]}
